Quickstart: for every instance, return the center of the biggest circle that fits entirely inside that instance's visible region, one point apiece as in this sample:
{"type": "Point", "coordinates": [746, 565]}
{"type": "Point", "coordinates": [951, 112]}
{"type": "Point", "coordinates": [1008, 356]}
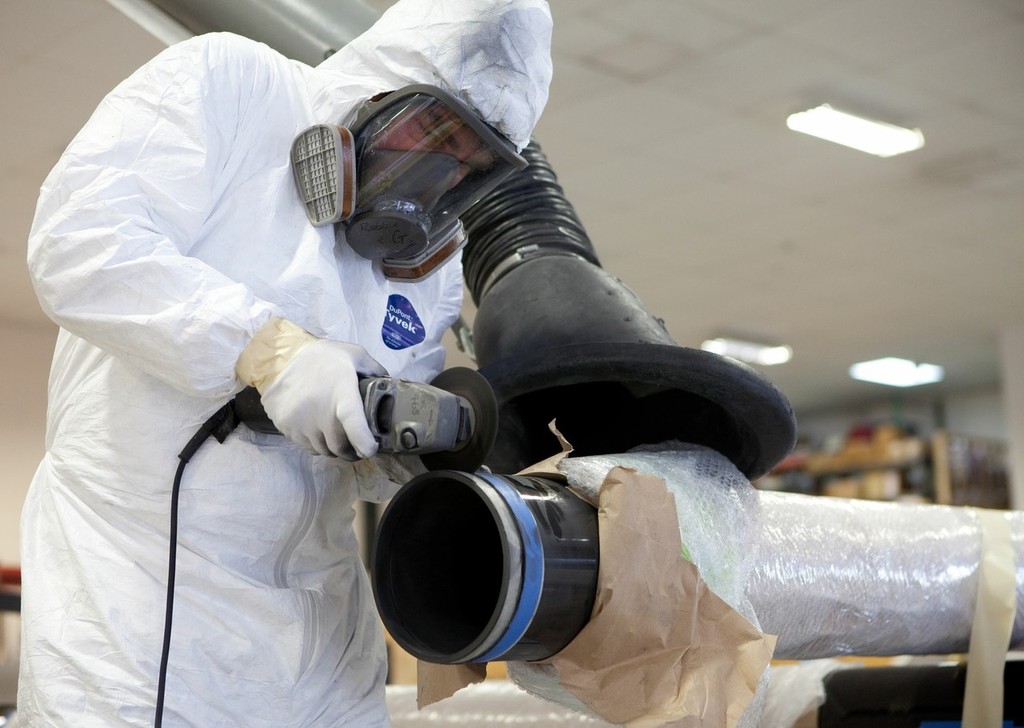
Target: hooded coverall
{"type": "Point", "coordinates": [168, 233]}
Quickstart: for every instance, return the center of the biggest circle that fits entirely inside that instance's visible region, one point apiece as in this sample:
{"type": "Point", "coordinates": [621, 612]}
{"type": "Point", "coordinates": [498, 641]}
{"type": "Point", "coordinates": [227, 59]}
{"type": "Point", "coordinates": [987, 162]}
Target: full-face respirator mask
{"type": "Point", "coordinates": [395, 183]}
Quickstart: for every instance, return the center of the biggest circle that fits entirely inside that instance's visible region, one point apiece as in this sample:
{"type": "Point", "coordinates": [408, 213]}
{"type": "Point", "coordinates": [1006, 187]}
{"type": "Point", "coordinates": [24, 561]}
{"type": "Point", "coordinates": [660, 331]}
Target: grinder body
{"type": "Point", "coordinates": [451, 422]}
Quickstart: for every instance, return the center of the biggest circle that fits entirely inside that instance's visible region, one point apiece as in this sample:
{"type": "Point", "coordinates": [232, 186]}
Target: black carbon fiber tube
{"type": "Point", "coordinates": [481, 567]}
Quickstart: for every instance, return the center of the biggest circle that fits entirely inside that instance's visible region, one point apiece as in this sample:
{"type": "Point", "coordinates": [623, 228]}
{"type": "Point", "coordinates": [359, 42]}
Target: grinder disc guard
{"type": "Point", "coordinates": [475, 389]}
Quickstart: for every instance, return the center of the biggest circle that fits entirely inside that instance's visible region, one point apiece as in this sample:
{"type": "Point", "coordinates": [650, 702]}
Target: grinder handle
{"type": "Point", "coordinates": [248, 408]}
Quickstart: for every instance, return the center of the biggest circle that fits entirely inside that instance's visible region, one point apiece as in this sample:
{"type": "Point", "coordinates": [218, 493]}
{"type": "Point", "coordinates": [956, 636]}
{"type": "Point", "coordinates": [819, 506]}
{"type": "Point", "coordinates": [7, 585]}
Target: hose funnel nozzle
{"type": "Point", "coordinates": [559, 338]}
{"type": "Point", "coordinates": [480, 567]}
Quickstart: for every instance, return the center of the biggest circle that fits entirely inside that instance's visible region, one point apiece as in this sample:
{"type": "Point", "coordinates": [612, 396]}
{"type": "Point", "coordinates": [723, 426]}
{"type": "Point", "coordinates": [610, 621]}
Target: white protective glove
{"type": "Point", "coordinates": [310, 388]}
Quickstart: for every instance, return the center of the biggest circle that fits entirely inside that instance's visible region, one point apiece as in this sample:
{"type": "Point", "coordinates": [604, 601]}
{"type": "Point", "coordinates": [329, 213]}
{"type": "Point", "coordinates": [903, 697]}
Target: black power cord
{"type": "Point", "coordinates": [220, 425]}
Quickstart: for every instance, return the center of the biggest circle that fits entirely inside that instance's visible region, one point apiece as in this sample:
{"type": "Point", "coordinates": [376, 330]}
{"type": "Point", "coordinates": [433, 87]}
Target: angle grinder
{"type": "Point", "coordinates": [450, 423]}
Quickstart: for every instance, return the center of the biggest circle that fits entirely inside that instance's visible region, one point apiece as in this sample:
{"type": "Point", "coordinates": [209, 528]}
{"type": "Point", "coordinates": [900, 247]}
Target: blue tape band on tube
{"type": "Point", "coordinates": [533, 573]}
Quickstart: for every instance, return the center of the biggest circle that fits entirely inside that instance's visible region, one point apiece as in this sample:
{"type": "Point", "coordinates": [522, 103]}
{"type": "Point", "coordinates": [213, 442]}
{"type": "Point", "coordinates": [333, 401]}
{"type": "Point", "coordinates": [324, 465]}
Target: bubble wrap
{"type": "Point", "coordinates": [838, 577]}
{"type": "Point", "coordinates": [716, 506]}
{"type": "Point", "coordinates": [829, 576]}
{"type": "Point", "coordinates": [490, 703]}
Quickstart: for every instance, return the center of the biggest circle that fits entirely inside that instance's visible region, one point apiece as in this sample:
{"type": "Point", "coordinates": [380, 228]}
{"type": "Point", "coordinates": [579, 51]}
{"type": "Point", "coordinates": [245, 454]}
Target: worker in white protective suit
{"type": "Point", "coordinates": [177, 249]}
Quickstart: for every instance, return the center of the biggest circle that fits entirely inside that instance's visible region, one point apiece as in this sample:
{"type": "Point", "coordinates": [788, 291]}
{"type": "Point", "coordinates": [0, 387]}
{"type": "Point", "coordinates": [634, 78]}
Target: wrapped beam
{"type": "Point", "coordinates": [829, 576]}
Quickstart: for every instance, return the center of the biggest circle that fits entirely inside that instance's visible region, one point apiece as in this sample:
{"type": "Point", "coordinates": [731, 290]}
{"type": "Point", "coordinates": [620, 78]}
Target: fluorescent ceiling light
{"type": "Point", "coordinates": [873, 137]}
{"type": "Point", "coordinates": [749, 351]}
{"type": "Point", "coordinates": [896, 372]}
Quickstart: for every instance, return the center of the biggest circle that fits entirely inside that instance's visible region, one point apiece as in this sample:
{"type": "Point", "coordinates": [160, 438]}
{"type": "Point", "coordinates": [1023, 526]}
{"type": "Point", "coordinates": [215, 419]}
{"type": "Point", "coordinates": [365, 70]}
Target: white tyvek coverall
{"type": "Point", "coordinates": [168, 233]}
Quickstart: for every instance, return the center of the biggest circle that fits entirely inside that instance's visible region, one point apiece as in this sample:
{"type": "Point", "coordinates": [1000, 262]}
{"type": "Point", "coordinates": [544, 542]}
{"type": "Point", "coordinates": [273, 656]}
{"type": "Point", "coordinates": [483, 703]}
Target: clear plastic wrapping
{"type": "Point", "coordinates": [829, 576]}
{"type": "Point", "coordinates": [837, 577]}
{"type": "Point", "coordinates": [794, 690]}
{"type": "Point", "coordinates": [716, 507]}
{"type": "Point", "coordinates": [490, 703]}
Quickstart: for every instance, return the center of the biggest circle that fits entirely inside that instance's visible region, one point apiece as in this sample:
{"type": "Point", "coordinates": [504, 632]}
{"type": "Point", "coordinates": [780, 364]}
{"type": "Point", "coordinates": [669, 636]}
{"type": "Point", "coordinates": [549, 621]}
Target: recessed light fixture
{"type": "Point", "coordinates": [874, 137]}
{"type": "Point", "coordinates": [749, 351]}
{"type": "Point", "coordinates": [896, 372]}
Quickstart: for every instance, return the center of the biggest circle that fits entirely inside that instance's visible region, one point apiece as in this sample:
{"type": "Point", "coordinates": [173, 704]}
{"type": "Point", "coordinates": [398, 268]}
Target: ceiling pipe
{"type": "Point", "coordinates": [304, 30]}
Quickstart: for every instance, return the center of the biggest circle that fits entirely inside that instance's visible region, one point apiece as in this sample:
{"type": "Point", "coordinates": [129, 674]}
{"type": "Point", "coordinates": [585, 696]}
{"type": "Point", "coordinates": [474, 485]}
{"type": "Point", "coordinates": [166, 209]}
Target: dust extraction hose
{"type": "Point", "coordinates": [526, 218]}
{"type": "Point", "coordinates": [560, 338]}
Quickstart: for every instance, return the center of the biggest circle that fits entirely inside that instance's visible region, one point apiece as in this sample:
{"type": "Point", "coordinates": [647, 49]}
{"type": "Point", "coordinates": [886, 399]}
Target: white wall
{"type": "Point", "coordinates": [25, 364]}
{"type": "Point", "coordinates": [980, 414]}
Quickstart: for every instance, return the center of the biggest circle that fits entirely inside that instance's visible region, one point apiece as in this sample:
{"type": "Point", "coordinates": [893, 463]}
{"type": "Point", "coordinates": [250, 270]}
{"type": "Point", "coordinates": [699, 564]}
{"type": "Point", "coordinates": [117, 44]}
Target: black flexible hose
{"type": "Point", "coordinates": [526, 217]}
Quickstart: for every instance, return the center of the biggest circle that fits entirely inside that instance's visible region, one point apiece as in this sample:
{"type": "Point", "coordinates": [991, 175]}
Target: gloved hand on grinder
{"type": "Point", "coordinates": [310, 388]}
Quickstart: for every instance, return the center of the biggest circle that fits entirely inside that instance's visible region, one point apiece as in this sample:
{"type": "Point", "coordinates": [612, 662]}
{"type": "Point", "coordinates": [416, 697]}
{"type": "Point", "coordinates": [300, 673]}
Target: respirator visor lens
{"type": "Point", "coordinates": [422, 150]}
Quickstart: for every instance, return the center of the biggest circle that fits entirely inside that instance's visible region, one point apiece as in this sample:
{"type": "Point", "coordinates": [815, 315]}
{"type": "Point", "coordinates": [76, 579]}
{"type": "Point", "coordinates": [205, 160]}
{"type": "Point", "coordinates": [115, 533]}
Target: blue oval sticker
{"type": "Point", "coordinates": [402, 326]}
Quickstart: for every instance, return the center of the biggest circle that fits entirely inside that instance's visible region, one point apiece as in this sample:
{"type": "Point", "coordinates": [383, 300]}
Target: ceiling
{"type": "Point", "coordinates": [666, 126]}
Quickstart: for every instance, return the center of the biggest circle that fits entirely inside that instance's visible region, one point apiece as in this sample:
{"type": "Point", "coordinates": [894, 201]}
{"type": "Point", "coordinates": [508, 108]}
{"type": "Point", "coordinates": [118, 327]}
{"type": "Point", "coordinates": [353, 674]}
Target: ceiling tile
{"type": "Point", "coordinates": [879, 34]}
{"type": "Point", "coordinates": [982, 71]}
{"type": "Point", "coordinates": [683, 25]}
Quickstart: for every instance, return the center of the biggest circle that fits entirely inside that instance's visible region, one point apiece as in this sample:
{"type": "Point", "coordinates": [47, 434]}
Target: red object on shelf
{"type": "Point", "coordinates": [10, 575]}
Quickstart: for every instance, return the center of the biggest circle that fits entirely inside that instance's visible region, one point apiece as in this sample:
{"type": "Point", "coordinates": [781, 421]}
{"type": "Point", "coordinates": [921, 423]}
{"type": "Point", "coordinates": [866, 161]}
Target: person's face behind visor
{"type": "Point", "coordinates": [432, 127]}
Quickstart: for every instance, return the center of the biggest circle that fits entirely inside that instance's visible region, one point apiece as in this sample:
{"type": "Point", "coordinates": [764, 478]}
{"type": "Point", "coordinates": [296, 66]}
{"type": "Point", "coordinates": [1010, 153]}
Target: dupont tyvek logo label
{"type": "Point", "coordinates": [402, 326]}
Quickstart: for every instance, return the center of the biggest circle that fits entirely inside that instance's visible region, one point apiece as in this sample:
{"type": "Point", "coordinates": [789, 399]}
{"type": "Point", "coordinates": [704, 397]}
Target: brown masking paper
{"type": "Point", "coordinates": [661, 647]}
{"type": "Point", "coordinates": [437, 682]}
